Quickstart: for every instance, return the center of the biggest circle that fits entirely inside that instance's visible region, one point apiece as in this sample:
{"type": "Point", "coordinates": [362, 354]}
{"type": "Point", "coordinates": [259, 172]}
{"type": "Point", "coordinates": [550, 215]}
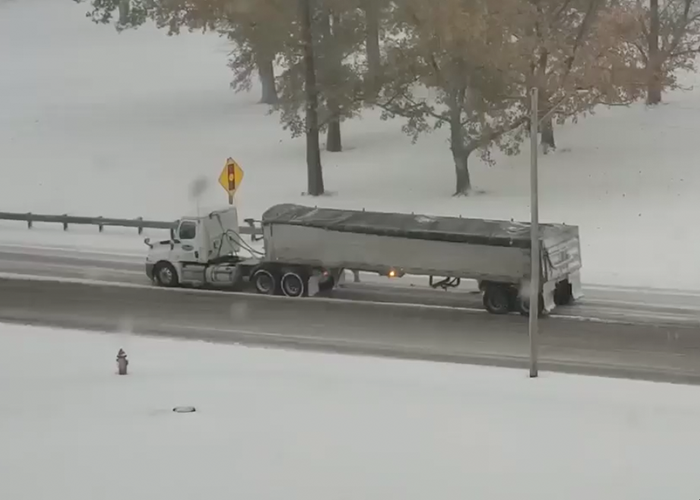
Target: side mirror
{"type": "Point", "coordinates": [172, 234]}
{"type": "Point", "coordinates": [147, 241]}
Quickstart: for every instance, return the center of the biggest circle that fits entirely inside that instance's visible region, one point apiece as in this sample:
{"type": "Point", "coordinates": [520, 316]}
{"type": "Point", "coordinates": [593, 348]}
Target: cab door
{"type": "Point", "coordinates": [188, 241]}
{"type": "Point", "coordinates": [189, 245]}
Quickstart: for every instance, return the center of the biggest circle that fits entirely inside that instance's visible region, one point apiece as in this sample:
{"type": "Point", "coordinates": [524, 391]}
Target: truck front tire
{"type": "Point", "coordinates": [165, 275]}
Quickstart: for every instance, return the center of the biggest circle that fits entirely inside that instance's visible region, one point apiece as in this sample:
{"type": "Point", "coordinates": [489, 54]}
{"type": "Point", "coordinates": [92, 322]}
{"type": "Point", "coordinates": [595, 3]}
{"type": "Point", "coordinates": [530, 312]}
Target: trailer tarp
{"type": "Point", "coordinates": [453, 229]}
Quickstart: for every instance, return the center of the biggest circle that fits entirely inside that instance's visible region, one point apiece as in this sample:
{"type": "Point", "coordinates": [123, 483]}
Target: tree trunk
{"type": "Point", "coordinates": [374, 60]}
{"type": "Point", "coordinates": [313, 148]}
{"type": "Point", "coordinates": [266, 70]}
{"type": "Point", "coordinates": [654, 63]}
{"type": "Point", "coordinates": [547, 128]}
{"type": "Point", "coordinates": [334, 143]}
{"type": "Point", "coordinates": [124, 8]}
{"type": "Point", "coordinates": [463, 183]}
{"type": "Point", "coordinates": [460, 153]}
{"type": "Point", "coordinates": [331, 65]}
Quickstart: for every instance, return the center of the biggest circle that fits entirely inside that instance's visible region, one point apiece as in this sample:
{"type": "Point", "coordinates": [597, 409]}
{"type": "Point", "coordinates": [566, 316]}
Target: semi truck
{"type": "Point", "coordinates": [305, 250]}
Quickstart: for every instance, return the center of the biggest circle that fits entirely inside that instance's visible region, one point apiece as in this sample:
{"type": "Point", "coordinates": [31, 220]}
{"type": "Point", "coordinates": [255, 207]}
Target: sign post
{"type": "Point", "coordinates": [231, 178]}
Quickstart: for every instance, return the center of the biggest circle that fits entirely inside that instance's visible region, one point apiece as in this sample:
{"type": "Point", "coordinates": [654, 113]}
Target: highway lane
{"type": "Point", "coordinates": [622, 305]}
{"type": "Point", "coordinates": [662, 353]}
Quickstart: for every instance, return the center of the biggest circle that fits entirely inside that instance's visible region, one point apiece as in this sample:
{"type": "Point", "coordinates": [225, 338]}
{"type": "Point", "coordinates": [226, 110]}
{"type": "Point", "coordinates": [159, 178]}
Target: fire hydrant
{"type": "Point", "coordinates": [122, 362]}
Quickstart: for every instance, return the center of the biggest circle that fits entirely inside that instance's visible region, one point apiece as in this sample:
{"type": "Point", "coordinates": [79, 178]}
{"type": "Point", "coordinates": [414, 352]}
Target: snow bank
{"type": "Point", "coordinates": [289, 425]}
{"type": "Point", "coordinates": [100, 123]}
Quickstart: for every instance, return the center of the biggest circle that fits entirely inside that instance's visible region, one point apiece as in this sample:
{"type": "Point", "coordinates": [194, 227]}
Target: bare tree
{"type": "Point", "coordinates": [567, 45]}
{"type": "Point", "coordinates": [554, 36]}
{"type": "Point", "coordinates": [337, 40]}
{"type": "Point", "coordinates": [666, 37]}
{"type": "Point", "coordinates": [452, 49]}
{"type": "Point", "coordinates": [256, 28]}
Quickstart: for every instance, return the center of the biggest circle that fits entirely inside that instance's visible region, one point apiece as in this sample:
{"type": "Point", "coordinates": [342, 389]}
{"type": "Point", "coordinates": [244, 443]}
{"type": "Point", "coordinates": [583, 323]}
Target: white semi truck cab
{"type": "Point", "coordinates": [202, 250]}
{"type": "Point", "coordinates": [210, 251]}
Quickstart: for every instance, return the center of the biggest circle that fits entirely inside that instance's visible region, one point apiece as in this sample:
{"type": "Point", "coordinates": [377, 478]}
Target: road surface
{"type": "Point", "coordinates": [637, 306]}
{"type": "Point", "coordinates": [669, 352]}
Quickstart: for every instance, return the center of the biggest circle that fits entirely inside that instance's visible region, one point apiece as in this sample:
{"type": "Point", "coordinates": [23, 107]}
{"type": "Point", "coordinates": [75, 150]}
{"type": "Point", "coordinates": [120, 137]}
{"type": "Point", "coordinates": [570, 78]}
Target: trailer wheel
{"type": "Point", "coordinates": [496, 299]}
{"type": "Point", "coordinates": [327, 285]}
{"type": "Point", "coordinates": [293, 284]}
{"type": "Point", "coordinates": [165, 274]}
{"type": "Point", "coordinates": [523, 305]}
{"type": "Point", "coordinates": [265, 282]}
{"type": "Point", "coordinates": [563, 295]}
{"type": "Point", "coordinates": [330, 280]}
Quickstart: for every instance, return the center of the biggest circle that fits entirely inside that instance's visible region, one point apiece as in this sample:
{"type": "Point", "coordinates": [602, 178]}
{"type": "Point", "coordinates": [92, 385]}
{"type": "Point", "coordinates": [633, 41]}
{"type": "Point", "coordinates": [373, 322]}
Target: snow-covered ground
{"type": "Point", "coordinates": [99, 123]}
{"type": "Point", "coordinates": [297, 426]}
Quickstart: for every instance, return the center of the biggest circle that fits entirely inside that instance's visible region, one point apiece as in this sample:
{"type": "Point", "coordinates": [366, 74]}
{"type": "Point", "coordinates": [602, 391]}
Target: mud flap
{"type": "Point", "coordinates": [313, 285]}
{"type": "Point", "coordinates": [548, 295]}
{"type": "Point", "coordinates": [341, 278]}
{"type": "Point", "coordinates": [576, 288]}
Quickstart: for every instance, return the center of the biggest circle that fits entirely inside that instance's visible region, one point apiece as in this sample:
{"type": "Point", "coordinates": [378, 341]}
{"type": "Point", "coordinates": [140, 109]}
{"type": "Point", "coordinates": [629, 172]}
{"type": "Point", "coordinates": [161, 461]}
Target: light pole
{"type": "Point", "coordinates": [534, 236]}
{"type": "Point", "coordinates": [533, 325]}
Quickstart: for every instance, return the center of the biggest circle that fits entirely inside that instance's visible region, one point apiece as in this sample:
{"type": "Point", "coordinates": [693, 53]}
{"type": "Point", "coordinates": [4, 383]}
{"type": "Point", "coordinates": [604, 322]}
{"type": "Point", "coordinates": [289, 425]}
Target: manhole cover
{"type": "Point", "coordinates": [184, 409]}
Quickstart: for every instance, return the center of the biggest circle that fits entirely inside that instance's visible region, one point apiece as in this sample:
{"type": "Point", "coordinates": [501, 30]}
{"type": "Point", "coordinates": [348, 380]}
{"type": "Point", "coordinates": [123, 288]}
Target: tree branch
{"type": "Point", "coordinates": [494, 134]}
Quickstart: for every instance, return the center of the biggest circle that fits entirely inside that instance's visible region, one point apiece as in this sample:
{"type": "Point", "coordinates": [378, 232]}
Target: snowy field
{"type": "Point", "coordinates": [275, 425]}
{"type": "Point", "coordinates": [99, 123]}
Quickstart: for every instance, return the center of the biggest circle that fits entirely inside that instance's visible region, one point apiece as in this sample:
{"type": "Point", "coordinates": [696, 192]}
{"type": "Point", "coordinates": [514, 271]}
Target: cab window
{"type": "Point", "coordinates": [188, 230]}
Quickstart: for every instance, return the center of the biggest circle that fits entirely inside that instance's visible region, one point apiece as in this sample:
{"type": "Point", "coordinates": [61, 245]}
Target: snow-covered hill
{"type": "Point", "coordinates": [99, 123]}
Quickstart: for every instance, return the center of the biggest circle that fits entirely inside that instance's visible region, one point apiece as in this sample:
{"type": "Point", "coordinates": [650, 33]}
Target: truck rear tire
{"type": "Point", "coordinates": [523, 305]}
{"type": "Point", "coordinates": [496, 299]}
{"type": "Point", "coordinates": [265, 282]}
{"type": "Point", "coordinates": [294, 284]}
{"type": "Point", "coordinates": [165, 275]}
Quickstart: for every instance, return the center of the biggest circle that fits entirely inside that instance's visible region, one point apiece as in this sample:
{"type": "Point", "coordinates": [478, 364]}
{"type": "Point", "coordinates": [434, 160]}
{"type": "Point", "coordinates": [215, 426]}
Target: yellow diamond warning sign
{"type": "Point", "coordinates": [231, 176]}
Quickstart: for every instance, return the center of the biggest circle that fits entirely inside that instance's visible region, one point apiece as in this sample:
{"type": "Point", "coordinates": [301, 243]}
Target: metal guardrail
{"type": "Point", "coordinates": [101, 222]}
